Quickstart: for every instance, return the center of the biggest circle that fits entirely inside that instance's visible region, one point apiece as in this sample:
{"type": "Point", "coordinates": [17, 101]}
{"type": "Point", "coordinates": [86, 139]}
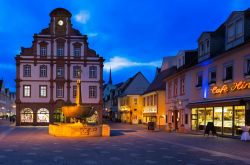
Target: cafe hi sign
{"type": "Point", "coordinates": [241, 85]}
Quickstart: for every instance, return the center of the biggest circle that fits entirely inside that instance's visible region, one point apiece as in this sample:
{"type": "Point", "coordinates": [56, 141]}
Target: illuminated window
{"type": "Point", "coordinates": [26, 91]}
{"type": "Point", "coordinates": [26, 71]}
{"type": "Point", "coordinates": [92, 91]}
{"type": "Point", "coordinates": [26, 115]}
{"type": "Point", "coordinates": [43, 115]}
{"type": "Point", "coordinates": [43, 71]}
{"type": "Point", "coordinates": [43, 91]}
{"type": "Point", "coordinates": [92, 72]}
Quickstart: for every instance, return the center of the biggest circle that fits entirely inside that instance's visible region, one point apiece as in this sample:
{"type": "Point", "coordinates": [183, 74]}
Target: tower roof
{"type": "Point", "coordinates": [60, 12]}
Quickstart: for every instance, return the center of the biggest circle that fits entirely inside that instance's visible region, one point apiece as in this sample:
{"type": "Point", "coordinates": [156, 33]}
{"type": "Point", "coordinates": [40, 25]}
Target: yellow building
{"type": "Point", "coordinates": [154, 100]}
{"type": "Point", "coordinates": [130, 99]}
{"type": "Point", "coordinates": [131, 109]}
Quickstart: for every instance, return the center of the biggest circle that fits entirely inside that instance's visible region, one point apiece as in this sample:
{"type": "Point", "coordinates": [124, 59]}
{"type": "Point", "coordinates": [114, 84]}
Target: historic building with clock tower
{"type": "Point", "coordinates": [46, 73]}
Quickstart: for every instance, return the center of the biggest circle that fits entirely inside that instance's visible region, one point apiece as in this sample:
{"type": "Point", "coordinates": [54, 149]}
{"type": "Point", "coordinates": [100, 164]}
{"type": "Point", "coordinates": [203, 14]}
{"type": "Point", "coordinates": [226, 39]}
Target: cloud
{"type": "Point", "coordinates": [92, 34]}
{"type": "Point", "coordinates": [82, 17]}
{"type": "Point", "coordinates": [4, 66]}
{"type": "Point", "coordinates": [117, 63]}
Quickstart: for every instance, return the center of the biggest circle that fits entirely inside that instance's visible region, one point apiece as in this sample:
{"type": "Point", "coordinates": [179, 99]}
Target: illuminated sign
{"type": "Point", "coordinates": [226, 88]}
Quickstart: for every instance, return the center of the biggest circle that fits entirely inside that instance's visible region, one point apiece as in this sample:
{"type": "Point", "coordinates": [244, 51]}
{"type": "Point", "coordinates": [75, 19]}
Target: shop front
{"type": "Point", "coordinates": [227, 117]}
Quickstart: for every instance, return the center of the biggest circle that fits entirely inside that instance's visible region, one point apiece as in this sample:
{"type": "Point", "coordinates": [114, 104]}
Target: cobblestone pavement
{"type": "Point", "coordinates": [127, 145]}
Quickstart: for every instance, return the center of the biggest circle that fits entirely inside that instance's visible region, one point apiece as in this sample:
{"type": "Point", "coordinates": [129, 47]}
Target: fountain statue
{"type": "Point", "coordinates": [79, 114]}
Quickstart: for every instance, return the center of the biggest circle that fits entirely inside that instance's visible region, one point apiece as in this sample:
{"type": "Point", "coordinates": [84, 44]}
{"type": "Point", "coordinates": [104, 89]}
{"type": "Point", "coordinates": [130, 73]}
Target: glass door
{"type": "Point", "coordinates": [239, 119]}
{"type": "Point", "coordinates": [228, 121]}
{"type": "Point", "coordinates": [218, 119]}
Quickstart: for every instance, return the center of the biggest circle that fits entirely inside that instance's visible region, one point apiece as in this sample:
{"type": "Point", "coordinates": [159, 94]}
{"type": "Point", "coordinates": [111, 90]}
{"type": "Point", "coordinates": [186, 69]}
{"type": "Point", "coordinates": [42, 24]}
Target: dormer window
{"type": "Point", "coordinates": [230, 33]}
{"type": "Point", "coordinates": [207, 46]}
{"type": "Point", "coordinates": [239, 28]}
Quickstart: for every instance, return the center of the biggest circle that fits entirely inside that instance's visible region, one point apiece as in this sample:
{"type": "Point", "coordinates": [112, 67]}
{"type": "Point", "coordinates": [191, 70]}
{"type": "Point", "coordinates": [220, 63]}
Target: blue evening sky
{"type": "Point", "coordinates": [132, 35]}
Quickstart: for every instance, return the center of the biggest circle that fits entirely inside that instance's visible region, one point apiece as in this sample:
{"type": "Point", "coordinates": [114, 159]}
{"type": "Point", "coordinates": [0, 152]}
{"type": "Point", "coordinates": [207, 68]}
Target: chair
{"type": "Point", "coordinates": [245, 133]}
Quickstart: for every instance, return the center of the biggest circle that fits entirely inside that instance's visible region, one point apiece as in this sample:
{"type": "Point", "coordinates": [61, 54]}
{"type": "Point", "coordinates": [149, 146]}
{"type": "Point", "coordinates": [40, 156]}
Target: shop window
{"type": "Point", "coordinates": [194, 119]}
{"type": "Point", "coordinates": [218, 119]}
{"type": "Point", "coordinates": [228, 120]}
{"type": "Point", "coordinates": [201, 118]}
{"type": "Point", "coordinates": [26, 115]}
{"type": "Point", "coordinates": [43, 115]}
{"type": "Point", "coordinates": [228, 72]}
{"type": "Point", "coordinates": [26, 71]}
{"type": "Point", "coordinates": [43, 71]}
{"type": "Point", "coordinates": [239, 119]}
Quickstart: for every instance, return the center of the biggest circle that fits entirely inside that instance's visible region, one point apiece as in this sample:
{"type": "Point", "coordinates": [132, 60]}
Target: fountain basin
{"type": "Point", "coordinates": [78, 130]}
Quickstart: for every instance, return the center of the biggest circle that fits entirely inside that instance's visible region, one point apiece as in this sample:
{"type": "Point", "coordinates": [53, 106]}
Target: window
{"type": "Point", "coordinates": [26, 71]}
{"type": "Point", "coordinates": [76, 71]}
{"type": "Point", "coordinates": [43, 71]}
{"type": "Point", "coordinates": [92, 72]}
{"type": "Point", "coordinates": [77, 51]}
{"type": "Point", "coordinates": [74, 91]}
{"type": "Point", "coordinates": [201, 49]}
{"type": "Point", "coordinates": [247, 72]}
{"type": "Point", "coordinates": [59, 71]}
{"type": "Point", "coordinates": [27, 115]}
{"type": "Point", "coordinates": [199, 80]}
{"type": "Point", "coordinates": [175, 87]}
{"type": "Point", "coordinates": [170, 89]}
{"type": "Point", "coordinates": [43, 91]}
{"type": "Point", "coordinates": [239, 28]}
{"type": "Point", "coordinates": [144, 101]}
{"type": "Point", "coordinates": [43, 115]}
{"type": "Point", "coordinates": [155, 99]}
{"type": "Point", "coordinates": [60, 49]}
{"type": "Point", "coordinates": [228, 72]}
{"type": "Point", "coordinates": [212, 76]}
{"type": "Point", "coordinates": [59, 91]}
{"type": "Point", "coordinates": [92, 92]}
{"type": "Point", "coordinates": [26, 91]}
{"type": "Point", "coordinates": [182, 86]}
{"type": "Point", "coordinates": [230, 32]}
{"type": "Point", "coordinates": [135, 101]}
{"type": "Point", "coordinates": [43, 51]}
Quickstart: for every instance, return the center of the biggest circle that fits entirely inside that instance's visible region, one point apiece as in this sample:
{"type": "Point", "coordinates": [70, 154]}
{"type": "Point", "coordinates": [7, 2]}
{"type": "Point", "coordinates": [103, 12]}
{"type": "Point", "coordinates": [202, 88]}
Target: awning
{"type": "Point", "coordinates": [217, 103]}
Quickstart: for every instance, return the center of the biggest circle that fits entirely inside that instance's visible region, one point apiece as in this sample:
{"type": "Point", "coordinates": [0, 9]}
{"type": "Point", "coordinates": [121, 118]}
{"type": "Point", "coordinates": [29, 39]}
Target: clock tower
{"type": "Point", "coordinates": [60, 23]}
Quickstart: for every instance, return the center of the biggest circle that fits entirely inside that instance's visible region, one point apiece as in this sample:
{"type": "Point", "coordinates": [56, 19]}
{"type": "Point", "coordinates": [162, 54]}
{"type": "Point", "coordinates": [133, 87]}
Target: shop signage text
{"type": "Point", "coordinates": [227, 88]}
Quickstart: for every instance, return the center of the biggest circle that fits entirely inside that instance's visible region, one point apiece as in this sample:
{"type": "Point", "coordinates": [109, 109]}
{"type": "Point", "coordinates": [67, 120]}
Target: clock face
{"type": "Point", "coordinates": [60, 22]}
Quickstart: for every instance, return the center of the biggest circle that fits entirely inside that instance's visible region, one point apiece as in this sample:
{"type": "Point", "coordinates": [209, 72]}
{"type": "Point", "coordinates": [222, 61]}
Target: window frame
{"type": "Point", "coordinates": [45, 71]}
{"type": "Point", "coordinates": [199, 83]}
{"type": "Point", "coordinates": [92, 72]}
{"type": "Point", "coordinates": [57, 69]}
{"type": "Point", "coordinates": [77, 71]}
{"type": "Point", "coordinates": [24, 91]}
{"type": "Point", "coordinates": [92, 92]}
{"type": "Point", "coordinates": [57, 89]}
{"type": "Point", "coordinates": [24, 71]}
{"type": "Point", "coordinates": [40, 91]}
{"type": "Point", "coordinates": [227, 65]}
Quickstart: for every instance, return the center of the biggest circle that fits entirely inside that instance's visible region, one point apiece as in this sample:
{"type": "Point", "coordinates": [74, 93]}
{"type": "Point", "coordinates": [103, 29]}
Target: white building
{"type": "Point", "coordinates": [47, 72]}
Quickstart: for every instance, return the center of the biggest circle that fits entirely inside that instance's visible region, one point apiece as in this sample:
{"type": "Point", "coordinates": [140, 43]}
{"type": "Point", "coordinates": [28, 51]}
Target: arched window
{"type": "Point", "coordinates": [27, 115]}
{"type": "Point", "coordinates": [43, 115]}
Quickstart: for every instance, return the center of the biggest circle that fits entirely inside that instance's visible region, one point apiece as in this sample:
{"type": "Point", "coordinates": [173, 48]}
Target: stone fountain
{"type": "Point", "coordinates": [79, 114]}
